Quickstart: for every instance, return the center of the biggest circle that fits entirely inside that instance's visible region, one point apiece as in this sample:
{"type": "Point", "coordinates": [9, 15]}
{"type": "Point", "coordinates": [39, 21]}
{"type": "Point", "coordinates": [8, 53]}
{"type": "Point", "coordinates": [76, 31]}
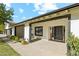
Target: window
{"type": "Point", "coordinates": [39, 31]}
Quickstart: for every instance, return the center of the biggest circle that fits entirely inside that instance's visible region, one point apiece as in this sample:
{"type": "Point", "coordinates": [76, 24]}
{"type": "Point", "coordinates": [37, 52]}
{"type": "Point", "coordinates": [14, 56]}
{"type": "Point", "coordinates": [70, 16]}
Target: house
{"type": "Point", "coordinates": [54, 26]}
{"type": "Point", "coordinates": [6, 28]}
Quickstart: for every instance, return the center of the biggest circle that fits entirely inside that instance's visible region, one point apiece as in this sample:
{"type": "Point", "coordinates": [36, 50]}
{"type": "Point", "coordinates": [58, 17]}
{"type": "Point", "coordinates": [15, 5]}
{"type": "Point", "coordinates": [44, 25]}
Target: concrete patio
{"type": "Point", "coordinates": [40, 48]}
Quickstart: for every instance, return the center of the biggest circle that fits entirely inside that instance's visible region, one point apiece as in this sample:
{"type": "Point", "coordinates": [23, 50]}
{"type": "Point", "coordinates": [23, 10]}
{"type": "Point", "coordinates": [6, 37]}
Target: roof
{"type": "Point", "coordinates": [11, 22]}
{"type": "Point", "coordinates": [52, 12]}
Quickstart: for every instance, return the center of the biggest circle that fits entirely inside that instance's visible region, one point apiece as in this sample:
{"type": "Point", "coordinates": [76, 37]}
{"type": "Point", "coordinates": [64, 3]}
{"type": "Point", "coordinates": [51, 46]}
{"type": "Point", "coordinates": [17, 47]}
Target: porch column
{"type": "Point", "coordinates": [26, 32]}
{"type": "Point", "coordinates": [13, 30]}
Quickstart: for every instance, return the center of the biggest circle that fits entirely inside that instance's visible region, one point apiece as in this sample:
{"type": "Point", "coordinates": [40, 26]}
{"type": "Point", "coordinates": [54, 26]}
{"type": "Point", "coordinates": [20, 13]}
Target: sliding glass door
{"type": "Point", "coordinates": [58, 32]}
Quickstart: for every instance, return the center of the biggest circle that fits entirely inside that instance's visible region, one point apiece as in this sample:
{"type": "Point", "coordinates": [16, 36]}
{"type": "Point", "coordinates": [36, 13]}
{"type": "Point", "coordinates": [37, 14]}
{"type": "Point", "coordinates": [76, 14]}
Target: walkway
{"type": "Point", "coordinates": [40, 48]}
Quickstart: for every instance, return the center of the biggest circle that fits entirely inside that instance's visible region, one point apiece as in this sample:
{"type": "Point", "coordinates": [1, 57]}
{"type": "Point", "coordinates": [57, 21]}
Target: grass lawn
{"type": "Point", "coordinates": [6, 50]}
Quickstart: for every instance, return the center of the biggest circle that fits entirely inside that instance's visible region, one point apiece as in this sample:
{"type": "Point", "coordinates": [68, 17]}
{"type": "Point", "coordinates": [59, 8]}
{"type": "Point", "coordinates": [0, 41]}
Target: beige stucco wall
{"type": "Point", "coordinates": [74, 23]}
{"type": "Point", "coordinates": [7, 25]}
{"type": "Point", "coordinates": [46, 27]}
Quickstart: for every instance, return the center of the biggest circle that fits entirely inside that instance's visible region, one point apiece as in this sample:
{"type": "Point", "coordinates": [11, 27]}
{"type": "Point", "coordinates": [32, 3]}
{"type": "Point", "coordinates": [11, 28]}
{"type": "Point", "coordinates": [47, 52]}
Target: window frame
{"type": "Point", "coordinates": [38, 27]}
{"type": "Point", "coordinates": [54, 32]}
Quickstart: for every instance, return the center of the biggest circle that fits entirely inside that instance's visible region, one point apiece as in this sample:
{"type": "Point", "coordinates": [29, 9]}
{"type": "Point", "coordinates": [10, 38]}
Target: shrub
{"type": "Point", "coordinates": [24, 42]}
{"type": "Point", "coordinates": [12, 37]}
{"type": "Point", "coordinates": [37, 39]}
{"type": "Point", "coordinates": [17, 38]}
{"type": "Point", "coordinates": [73, 45]}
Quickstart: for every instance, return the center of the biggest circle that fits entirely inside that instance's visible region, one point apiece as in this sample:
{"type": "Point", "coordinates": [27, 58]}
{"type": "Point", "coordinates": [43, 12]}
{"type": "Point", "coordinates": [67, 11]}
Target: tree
{"type": "Point", "coordinates": [4, 13]}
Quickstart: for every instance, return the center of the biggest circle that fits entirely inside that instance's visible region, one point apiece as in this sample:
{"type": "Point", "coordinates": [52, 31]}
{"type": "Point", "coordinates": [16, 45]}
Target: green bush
{"type": "Point", "coordinates": [1, 27]}
{"type": "Point", "coordinates": [17, 38]}
{"type": "Point", "coordinates": [24, 42]}
{"type": "Point", "coordinates": [12, 37]}
{"type": "Point", "coordinates": [73, 45]}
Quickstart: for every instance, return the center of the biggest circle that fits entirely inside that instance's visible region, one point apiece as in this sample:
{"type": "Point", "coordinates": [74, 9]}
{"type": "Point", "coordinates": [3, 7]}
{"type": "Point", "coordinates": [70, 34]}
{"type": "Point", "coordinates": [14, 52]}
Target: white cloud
{"type": "Point", "coordinates": [24, 17]}
{"type": "Point", "coordinates": [15, 16]}
{"type": "Point", "coordinates": [27, 3]}
{"type": "Point", "coordinates": [21, 10]}
{"type": "Point", "coordinates": [8, 5]}
{"type": "Point", "coordinates": [39, 1]}
{"type": "Point", "coordinates": [42, 8]}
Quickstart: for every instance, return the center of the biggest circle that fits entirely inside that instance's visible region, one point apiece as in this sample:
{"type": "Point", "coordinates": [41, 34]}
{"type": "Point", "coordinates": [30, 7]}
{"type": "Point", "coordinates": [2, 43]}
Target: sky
{"type": "Point", "coordinates": [25, 11]}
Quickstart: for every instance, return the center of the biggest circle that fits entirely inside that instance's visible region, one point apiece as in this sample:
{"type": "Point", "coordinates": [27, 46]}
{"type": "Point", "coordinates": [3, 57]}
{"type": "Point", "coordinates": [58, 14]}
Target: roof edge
{"type": "Point", "coordinates": [52, 12]}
